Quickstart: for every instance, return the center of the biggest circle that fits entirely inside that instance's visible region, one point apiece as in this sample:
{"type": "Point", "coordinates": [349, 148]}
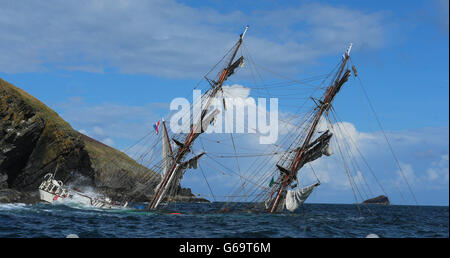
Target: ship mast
{"type": "Point", "coordinates": [325, 105]}
{"type": "Point", "coordinates": [195, 132]}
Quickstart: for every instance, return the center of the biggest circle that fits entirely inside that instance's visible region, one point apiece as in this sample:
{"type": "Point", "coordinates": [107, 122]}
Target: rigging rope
{"type": "Point", "coordinates": [387, 140]}
{"type": "Point", "coordinates": [362, 156]}
{"type": "Point", "coordinates": [313, 171]}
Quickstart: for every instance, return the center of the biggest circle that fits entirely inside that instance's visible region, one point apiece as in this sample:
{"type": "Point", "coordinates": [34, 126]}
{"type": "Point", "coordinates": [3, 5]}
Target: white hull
{"type": "Point", "coordinates": [46, 196]}
{"type": "Point", "coordinates": [52, 191]}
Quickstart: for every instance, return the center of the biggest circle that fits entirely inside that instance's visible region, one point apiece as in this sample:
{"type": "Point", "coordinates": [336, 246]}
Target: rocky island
{"type": "Point", "coordinates": [382, 199]}
{"type": "Point", "coordinates": [34, 140]}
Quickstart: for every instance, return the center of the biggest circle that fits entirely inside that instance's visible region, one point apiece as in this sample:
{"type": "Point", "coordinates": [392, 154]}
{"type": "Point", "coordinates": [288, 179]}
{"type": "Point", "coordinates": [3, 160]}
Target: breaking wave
{"type": "Point", "coordinates": [13, 206]}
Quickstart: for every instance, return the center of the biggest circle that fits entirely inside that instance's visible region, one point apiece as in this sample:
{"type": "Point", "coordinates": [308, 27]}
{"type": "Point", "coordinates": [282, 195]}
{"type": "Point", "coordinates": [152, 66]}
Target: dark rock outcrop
{"type": "Point", "coordinates": [3, 181]}
{"type": "Point", "coordinates": [382, 199]}
{"type": "Point", "coordinates": [35, 141]}
{"type": "Point", "coordinates": [8, 195]}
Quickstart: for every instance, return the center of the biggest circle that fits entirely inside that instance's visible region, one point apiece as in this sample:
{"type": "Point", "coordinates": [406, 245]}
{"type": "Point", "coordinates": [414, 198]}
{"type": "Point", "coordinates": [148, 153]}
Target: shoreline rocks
{"type": "Point", "coordinates": [8, 195]}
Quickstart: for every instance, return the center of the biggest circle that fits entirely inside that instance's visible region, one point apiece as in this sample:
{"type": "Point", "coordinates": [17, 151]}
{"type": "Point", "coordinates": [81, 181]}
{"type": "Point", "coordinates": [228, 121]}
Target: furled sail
{"type": "Point", "coordinates": [192, 163]}
{"type": "Point", "coordinates": [294, 198]}
{"type": "Point", "coordinates": [317, 148]}
{"type": "Point", "coordinates": [209, 119]}
{"type": "Point", "coordinates": [166, 152]}
{"type": "Point", "coordinates": [239, 62]}
{"type": "Point", "coordinates": [167, 186]}
{"type": "Point", "coordinates": [176, 177]}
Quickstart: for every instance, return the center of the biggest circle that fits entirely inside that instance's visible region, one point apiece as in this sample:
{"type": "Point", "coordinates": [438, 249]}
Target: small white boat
{"type": "Point", "coordinates": [53, 191]}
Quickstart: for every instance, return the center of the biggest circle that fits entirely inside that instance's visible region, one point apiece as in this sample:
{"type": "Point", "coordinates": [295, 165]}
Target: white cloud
{"type": "Point", "coordinates": [171, 39]}
{"type": "Point", "coordinates": [438, 172]}
{"type": "Point", "coordinates": [97, 130]}
{"type": "Point", "coordinates": [108, 141]}
{"type": "Point", "coordinates": [110, 120]}
{"type": "Point", "coordinates": [432, 174]}
{"type": "Point", "coordinates": [406, 173]}
{"type": "Point", "coordinates": [425, 172]}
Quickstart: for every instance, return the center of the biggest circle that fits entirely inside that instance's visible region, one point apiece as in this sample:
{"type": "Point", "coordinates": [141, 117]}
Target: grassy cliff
{"type": "Point", "coordinates": [34, 140]}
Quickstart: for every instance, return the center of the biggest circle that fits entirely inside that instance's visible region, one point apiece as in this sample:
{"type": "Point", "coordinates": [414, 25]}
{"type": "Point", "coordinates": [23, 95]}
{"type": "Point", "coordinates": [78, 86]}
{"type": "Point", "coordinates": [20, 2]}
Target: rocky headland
{"type": "Point", "coordinates": [35, 140]}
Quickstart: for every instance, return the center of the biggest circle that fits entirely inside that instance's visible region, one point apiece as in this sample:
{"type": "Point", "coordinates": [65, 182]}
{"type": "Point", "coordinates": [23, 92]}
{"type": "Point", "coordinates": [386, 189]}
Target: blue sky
{"type": "Point", "coordinates": [111, 68]}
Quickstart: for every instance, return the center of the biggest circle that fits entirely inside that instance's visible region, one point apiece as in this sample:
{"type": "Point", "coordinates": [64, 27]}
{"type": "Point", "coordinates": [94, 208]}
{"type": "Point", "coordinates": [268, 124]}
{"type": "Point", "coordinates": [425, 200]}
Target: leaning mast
{"type": "Point", "coordinates": [195, 131]}
{"type": "Point", "coordinates": [325, 105]}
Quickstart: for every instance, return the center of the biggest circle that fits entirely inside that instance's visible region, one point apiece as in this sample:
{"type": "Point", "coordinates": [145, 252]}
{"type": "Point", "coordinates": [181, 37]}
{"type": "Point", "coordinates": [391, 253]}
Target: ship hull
{"type": "Point", "coordinates": [53, 192]}
{"type": "Point", "coordinates": [46, 196]}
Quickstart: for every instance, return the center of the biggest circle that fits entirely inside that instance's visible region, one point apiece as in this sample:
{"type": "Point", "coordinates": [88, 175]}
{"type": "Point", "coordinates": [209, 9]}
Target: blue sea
{"type": "Point", "coordinates": [201, 220]}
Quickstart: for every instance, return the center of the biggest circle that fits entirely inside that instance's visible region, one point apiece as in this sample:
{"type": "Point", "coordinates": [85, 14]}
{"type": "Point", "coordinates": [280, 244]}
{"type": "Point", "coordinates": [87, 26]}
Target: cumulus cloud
{"type": "Point", "coordinates": [437, 173]}
{"type": "Point", "coordinates": [425, 174]}
{"type": "Point", "coordinates": [171, 39]}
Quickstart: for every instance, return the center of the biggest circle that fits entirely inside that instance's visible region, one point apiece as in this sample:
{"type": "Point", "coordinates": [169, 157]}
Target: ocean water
{"type": "Point", "coordinates": [200, 220]}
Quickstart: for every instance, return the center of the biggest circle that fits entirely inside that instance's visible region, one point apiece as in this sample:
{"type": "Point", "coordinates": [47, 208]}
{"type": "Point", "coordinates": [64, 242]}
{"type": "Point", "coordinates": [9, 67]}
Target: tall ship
{"type": "Point", "coordinates": [281, 190]}
{"type": "Point", "coordinates": [279, 178]}
{"type": "Point", "coordinates": [284, 192]}
{"type": "Point", "coordinates": [174, 162]}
